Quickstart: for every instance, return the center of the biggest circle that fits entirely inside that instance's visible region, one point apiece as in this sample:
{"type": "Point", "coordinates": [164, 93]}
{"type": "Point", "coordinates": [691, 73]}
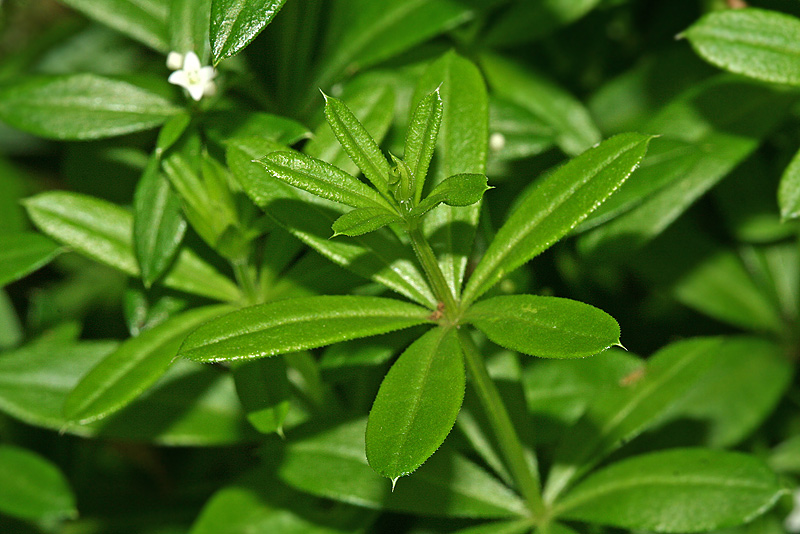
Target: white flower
{"type": "Point", "coordinates": [193, 77]}
{"type": "Point", "coordinates": [792, 522]}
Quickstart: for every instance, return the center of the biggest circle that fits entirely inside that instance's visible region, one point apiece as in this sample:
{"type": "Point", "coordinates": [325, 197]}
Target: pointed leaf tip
{"type": "Point", "coordinates": [394, 483]}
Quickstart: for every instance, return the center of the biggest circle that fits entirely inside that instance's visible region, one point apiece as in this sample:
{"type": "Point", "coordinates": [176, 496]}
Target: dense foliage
{"type": "Point", "coordinates": [232, 304]}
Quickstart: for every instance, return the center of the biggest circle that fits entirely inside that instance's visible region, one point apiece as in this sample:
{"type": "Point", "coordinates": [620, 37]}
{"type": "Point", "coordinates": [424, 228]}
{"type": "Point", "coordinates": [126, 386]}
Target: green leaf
{"type": "Point", "coordinates": [223, 125]}
{"type": "Point", "coordinates": [524, 22]}
{"type": "Point", "coordinates": [22, 253]}
{"type": "Point", "coordinates": [369, 32]}
{"type": "Point", "coordinates": [758, 43]}
{"type": "Point", "coordinates": [462, 147]}
{"type": "Point", "coordinates": [744, 383]}
{"type": "Point", "coordinates": [555, 205]}
{"type": "Point", "coordinates": [378, 257]}
{"type": "Point", "coordinates": [158, 223]}
{"type": "Point", "coordinates": [636, 404]}
{"type": "Point", "coordinates": [515, 131]}
{"type": "Point", "coordinates": [358, 143]}
{"type": "Point", "coordinates": [33, 488]}
{"type": "Point", "coordinates": [81, 106]}
{"type": "Point", "coordinates": [103, 231]}
{"type": "Point", "coordinates": [188, 27]}
{"type": "Point", "coordinates": [458, 190]}
{"type": "Point", "coordinates": [725, 119]}
{"type": "Point", "coordinates": [789, 190]}
{"type": "Point", "coordinates": [680, 490]}
{"type": "Point", "coordinates": [417, 404]}
{"type": "Point", "coordinates": [234, 23]}
{"type": "Point", "coordinates": [298, 324]}
{"type": "Point", "coordinates": [363, 220]}
{"type": "Point", "coordinates": [549, 327]}
{"type": "Point", "coordinates": [135, 366]}
{"type": "Point", "coordinates": [321, 179]}
{"type": "Point", "coordinates": [421, 137]}
{"type": "Point", "coordinates": [785, 457]}
{"type": "Point", "coordinates": [522, 526]}
{"type": "Point", "coordinates": [575, 131]}
{"type": "Point", "coordinates": [11, 333]}
{"type": "Point", "coordinates": [332, 464]}
{"type": "Point", "coordinates": [263, 389]}
{"type": "Point", "coordinates": [144, 20]}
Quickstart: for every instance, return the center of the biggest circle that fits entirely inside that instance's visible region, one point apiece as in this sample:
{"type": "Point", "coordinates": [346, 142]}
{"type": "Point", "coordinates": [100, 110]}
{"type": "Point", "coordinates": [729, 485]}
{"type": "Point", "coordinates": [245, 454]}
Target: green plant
{"type": "Point", "coordinates": [255, 270]}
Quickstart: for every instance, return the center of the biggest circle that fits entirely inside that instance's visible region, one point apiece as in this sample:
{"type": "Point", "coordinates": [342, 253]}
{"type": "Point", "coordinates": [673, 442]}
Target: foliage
{"type": "Point", "coordinates": [233, 304]}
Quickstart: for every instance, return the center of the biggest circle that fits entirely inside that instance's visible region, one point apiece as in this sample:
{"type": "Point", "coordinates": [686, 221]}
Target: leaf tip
{"type": "Point", "coordinates": [394, 483]}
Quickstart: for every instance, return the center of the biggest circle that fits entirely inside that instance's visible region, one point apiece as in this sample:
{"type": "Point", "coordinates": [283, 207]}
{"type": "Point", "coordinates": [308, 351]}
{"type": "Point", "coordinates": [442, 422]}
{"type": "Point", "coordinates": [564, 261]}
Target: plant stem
{"type": "Point", "coordinates": [246, 280]}
{"type": "Point", "coordinates": [527, 479]}
{"type": "Point", "coordinates": [431, 267]}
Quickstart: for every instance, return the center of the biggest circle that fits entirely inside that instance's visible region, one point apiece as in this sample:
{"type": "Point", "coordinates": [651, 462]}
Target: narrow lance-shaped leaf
{"type": "Point", "coordinates": [263, 389]}
{"type": "Point", "coordinates": [81, 106]}
{"type": "Point", "coordinates": [789, 190]}
{"type": "Point", "coordinates": [758, 43]}
{"type": "Point", "coordinates": [158, 223]}
{"type": "Point", "coordinates": [421, 136]}
{"type": "Point", "coordinates": [22, 253]}
{"type": "Point", "coordinates": [358, 143]}
{"type": "Point", "coordinates": [379, 258]}
{"type": "Point", "coordinates": [627, 410]}
{"type": "Point", "coordinates": [298, 324]}
{"type": "Point", "coordinates": [234, 23]}
{"type": "Point", "coordinates": [33, 488]}
{"type": "Point", "coordinates": [144, 20]}
{"type": "Point", "coordinates": [458, 190]}
{"type": "Point", "coordinates": [679, 490]}
{"type": "Point", "coordinates": [417, 404]}
{"type": "Point", "coordinates": [363, 220]}
{"type": "Point", "coordinates": [556, 205]}
{"type": "Point", "coordinates": [548, 327]}
{"type": "Point", "coordinates": [462, 147]}
{"type": "Point", "coordinates": [321, 179]}
{"type": "Point", "coordinates": [447, 485]}
{"type": "Point", "coordinates": [103, 232]}
{"type": "Point", "coordinates": [136, 365]}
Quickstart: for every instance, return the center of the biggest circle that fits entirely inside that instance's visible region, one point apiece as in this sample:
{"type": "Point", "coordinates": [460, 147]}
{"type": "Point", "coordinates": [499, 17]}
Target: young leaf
{"type": "Point", "coordinates": [556, 204]}
{"type": "Point", "coordinates": [363, 220]}
{"type": "Point", "coordinates": [373, 105]}
{"type": "Point", "coordinates": [548, 327]}
{"type": "Point", "coordinates": [636, 404]}
{"type": "Point", "coordinates": [762, 44]}
{"type": "Point", "coordinates": [144, 21]}
{"type": "Point", "coordinates": [103, 232]}
{"type": "Point", "coordinates": [158, 223]}
{"type": "Point", "coordinates": [458, 190]}
{"type": "Point", "coordinates": [447, 485]}
{"type": "Point", "coordinates": [234, 23]}
{"type": "Point", "coordinates": [575, 131]}
{"type": "Point", "coordinates": [789, 190]}
{"type": "Point", "coordinates": [462, 147]}
{"type": "Point", "coordinates": [421, 137]}
{"type": "Point", "coordinates": [378, 257]}
{"type": "Point", "coordinates": [81, 106]}
{"type": "Point", "coordinates": [679, 490]}
{"type": "Point", "coordinates": [321, 179]}
{"type": "Point", "coordinates": [358, 143]}
{"type": "Point", "coordinates": [298, 324]}
{"type": "Point", "coordinates": [22, 253]}
{"type": "Point", "coordinates": [33, 488]}
{"type": "Point", "coordinates": [136, 365]}
{"type": "Point", "coordinates": [263, 389]}
{"type": "Point", "coordinates": [417, 404]}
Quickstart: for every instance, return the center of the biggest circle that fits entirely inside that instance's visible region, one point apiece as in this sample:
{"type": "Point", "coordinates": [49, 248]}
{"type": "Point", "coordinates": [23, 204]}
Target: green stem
{"type": "Point", "coordinates": [525, 476]}
{"type": "Point", "coordinates": [431, 267]}
{"type": "Point", "coordinates": [245, 277]}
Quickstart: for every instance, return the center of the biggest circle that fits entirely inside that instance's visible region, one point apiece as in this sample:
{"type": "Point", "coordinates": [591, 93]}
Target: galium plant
{"type": "Point", "coordinates": [249, 239]}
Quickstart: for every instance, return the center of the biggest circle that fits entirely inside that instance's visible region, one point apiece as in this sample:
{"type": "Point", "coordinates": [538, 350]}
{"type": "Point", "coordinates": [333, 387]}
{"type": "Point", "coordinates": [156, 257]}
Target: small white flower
{"type": "Point", "coordinates": [792, 522]}
{"type": "Point", "coordinates": [174, 60]}
{"type": "Point", "coordinates": [193, 77]}
{"type": "Point", "coordinates": [497, 142]}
